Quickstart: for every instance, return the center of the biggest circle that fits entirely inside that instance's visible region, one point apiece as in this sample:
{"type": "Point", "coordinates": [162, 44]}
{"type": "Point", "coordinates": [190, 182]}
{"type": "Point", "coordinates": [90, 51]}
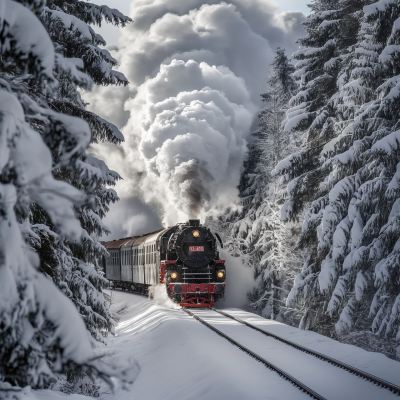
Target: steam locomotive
{"type": "Point", "coordinates": [185, 257]}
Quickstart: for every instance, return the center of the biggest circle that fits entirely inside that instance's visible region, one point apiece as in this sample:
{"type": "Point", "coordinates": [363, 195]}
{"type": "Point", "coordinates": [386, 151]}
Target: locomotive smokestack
{"type": "Point", "coordinates": [194, 222]}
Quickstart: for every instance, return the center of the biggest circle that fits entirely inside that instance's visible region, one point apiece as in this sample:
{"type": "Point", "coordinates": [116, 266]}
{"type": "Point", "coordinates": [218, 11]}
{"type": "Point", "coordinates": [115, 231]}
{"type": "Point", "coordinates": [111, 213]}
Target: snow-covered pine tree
{"type": "Point", "coordinates": [71, 265]}
{"type": "Point", "coordinates": [273, 143]}
{"type": "Point", "coordinates": [323, 62]}
{"type": "Point", "coordinates": [41, 332]}
{"type": "Point", "coordinates": [254, 232]}
{"type": "Point", "coordinates": [350, 286]}
{"type": "Point", "coordinates": [274, 262]}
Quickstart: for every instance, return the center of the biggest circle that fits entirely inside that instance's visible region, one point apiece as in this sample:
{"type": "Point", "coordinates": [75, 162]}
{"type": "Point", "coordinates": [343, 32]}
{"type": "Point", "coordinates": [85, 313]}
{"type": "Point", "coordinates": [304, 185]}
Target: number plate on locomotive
{"type": "Point", "coordinates": [196, 248]}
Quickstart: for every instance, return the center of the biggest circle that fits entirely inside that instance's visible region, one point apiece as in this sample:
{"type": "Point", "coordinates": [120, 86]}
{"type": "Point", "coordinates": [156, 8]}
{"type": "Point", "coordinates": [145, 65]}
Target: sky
{"type": "Point", "coordinates": [196, 71]}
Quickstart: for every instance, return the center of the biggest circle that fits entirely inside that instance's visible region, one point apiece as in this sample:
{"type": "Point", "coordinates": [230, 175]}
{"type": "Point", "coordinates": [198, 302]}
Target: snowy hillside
{"type": "Point", "coordinates": [181, 359]}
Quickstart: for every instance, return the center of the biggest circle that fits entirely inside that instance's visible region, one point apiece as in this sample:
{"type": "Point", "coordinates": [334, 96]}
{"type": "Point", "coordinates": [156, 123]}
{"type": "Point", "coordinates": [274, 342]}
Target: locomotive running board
{"type": "Point", "coordinates": [197, 302]}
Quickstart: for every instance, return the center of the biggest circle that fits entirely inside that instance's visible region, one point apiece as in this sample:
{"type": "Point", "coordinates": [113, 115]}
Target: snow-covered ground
{"type": "Point", "coordinates": [181, 359]}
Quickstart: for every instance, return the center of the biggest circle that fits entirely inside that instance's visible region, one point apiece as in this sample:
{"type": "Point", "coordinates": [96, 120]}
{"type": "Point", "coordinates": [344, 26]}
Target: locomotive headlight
{"type": "Point", "coordinates": [196, 233]}
{"type": "Point", "coordinates": [220, 274]}
{"type": "Point", "coordinates": [174, 275]}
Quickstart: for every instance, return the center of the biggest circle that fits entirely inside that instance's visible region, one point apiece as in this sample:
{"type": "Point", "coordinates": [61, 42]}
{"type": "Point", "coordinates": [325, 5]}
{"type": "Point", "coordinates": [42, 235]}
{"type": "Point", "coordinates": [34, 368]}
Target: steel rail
{"type": "Point", "coordinates": [365, 375]}
{"type": "Point", "coordinates": [269, 365]}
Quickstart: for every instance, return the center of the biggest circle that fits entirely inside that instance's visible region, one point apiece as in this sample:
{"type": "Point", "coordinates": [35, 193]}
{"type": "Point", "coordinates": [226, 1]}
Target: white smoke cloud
{"type": "Point", "coordinates": [239, 281]}
{"type": "Point", "coordinates": [196, 70]}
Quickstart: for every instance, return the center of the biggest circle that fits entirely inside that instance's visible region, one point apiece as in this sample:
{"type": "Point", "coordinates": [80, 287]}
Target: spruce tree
{"type": "Point", "coordinates": [71, 265]}
{"type": "Point", "coordinates": [349, 288]}
{"type": "Point", "coordinates": [254, 231]}
{"type": "Point", "coordinates": [52, 194]}
{"type": "Point", "coordinates": [275, 258]}
{"type": "Point", "coordinates": [324, 61]}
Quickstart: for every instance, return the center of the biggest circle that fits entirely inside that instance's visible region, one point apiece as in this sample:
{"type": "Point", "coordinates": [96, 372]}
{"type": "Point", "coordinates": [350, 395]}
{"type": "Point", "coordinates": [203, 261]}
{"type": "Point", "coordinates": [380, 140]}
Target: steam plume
{"type": "Point", "coordinates": [196, 70]}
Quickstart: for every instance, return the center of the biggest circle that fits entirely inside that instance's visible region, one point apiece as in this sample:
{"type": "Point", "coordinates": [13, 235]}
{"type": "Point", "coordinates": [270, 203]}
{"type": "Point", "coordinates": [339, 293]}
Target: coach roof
{"type": "Point", "coordinates": [115, 244]}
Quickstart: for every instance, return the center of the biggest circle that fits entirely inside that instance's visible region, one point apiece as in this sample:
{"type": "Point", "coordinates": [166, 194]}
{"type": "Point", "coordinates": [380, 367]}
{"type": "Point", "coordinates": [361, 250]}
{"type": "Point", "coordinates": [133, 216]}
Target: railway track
{"type": "Point", "coordinates": [300, 385]}
{"type": "Point", "coordinates": [365, 375]}
{"type": "Point", "coordinates": [268, 364]}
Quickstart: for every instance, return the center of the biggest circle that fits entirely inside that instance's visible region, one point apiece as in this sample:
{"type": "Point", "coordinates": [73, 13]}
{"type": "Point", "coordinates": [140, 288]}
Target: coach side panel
{"type": "Point", "coordinates": [126, 264]}
{"type": "Point", "coordinates": [113, 266]}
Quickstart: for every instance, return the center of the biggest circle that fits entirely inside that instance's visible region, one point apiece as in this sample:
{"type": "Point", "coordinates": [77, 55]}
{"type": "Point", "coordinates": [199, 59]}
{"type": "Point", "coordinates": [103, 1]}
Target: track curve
{"type": "Point", "coordinates": [268, 364]}
{"type": "Point", "coordinates": [365, 375]}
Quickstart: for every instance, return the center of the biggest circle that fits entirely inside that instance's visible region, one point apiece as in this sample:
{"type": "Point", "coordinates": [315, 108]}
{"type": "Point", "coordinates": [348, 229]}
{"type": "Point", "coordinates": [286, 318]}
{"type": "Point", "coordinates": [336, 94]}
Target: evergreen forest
{"type": "Point", "coordinates": [319, 212]}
